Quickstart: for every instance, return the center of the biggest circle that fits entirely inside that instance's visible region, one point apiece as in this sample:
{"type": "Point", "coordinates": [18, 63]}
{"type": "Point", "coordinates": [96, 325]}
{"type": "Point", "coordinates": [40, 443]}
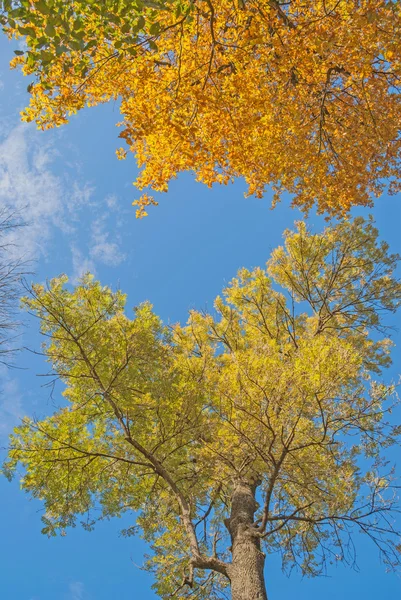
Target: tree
{"type": "Point", "coordinates": [11, 273]}
{"type": "Point", "coordinates": [303, 96]}
{"type": "Point", "coordinates": [261, 426]}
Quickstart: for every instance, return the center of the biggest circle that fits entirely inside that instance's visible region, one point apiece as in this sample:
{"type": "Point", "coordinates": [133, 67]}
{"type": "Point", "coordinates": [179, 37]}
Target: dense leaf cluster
{"type": "Point", "coordinates": [302, 96]}
{"type": "Point", "coordinates": [274, 391]}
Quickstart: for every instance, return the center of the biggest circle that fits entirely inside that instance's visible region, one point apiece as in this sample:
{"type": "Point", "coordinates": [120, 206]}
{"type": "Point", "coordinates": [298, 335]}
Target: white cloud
{"type": "Point", "coordinates": [101, 248]}
{"type": "Point", "coordinates": [11, 410]}
{"type": "Point", "coordinates": [80, 264]}
{"type": "Point", "coordinates": [49, 202]}
{"type": "Point", "coordinates": [111, 201]}
{"type": "Point", "coordinates": [28, 184]}
{"type": "Point", "coordinates": [80, 196]}
{"type": "Point", "coordinates": [76, 590]}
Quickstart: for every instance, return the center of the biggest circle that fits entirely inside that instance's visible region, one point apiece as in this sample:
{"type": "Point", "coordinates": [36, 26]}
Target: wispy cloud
{"type": "Point", "coordinates": [102, 249]}
{"type": "Point", "coordinates": [29, 183]}
{"type": "Point", "coordinates": [11, 410]}
{"type": "Point", "coordinates": [111, 201]}
{"type": "Point", "coordinates": [80, 264]}
{"type": "Point", "coordinates": [49, 201]}
{"type": "Point", "coordinates": [79, 196]}
{"type": "Point", "coordinates": [76, 590]}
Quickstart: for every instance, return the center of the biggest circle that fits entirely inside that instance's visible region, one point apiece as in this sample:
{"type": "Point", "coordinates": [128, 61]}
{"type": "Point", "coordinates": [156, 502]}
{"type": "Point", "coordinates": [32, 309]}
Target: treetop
{"type": "Point", "coordinates": [275, 392]}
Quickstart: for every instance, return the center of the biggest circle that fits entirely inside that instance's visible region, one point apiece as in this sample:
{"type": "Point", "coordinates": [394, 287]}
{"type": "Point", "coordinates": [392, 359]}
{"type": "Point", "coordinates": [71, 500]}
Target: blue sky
{"type": "Point", "coordinates": [76, 199]}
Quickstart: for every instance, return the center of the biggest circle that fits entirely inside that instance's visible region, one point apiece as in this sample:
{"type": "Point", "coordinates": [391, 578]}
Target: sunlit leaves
{"type": "Point", "coordinates": [303, 97]}
{"type": "Point", "coordinates": [273, 386]}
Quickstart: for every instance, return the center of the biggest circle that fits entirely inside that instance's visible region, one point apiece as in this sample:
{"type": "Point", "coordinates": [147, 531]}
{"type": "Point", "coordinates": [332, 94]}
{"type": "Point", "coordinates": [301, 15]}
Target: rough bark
{"type": "Point", "coordinates": [246, 569]}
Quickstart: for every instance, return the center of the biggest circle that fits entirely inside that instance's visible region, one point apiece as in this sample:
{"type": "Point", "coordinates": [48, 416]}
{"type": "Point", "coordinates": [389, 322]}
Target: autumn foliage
{"type": "Point", "coordinates": [260, 425]}
{"type": "Point", "coordinates": [300, 96]}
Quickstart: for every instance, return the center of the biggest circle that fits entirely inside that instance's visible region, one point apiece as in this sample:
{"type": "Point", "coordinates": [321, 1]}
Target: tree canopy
{"type": "Point", "coordinates": [300, 96]}
{"type": "Point", "coordinates": [261, 425]}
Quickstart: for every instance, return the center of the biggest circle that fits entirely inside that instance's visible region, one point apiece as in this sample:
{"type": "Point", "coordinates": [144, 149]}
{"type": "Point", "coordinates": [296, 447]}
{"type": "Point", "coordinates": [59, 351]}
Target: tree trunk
{"type": "Point", "coordinates": [246, 569]}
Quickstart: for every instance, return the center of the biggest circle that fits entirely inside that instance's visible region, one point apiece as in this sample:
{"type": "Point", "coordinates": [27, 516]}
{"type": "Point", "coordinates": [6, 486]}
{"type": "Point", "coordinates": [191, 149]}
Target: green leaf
{"type": "Point", "coordinates": [90, 44]}
{"type": "Point", "coordinates": [49, 30]}
{"type": "Point", "coordinates": [28, 31]}
{"type": "Point", "coordinates": [43, 41]}
{"type": "Point", "coordinates": [46, 56]}
{"type": "Point", "coordinates": [78, 35]}
{"type": "Point", "coordinates": [76, 45]}
{"type": "Point", "coordinates": [154, 29]}
{"type": "Point", "coordinates": [32, 58]}
{"type": "Point", "coordinates": [19, 52]}
{"type": "Point", "coordinates": [42, 7]}
{"type": "Point", "coordinates": [114, 18]}
{"type": "Point", "coordinates": [61, 50]}
{"type": "Point", "coordinates": [78, 24]}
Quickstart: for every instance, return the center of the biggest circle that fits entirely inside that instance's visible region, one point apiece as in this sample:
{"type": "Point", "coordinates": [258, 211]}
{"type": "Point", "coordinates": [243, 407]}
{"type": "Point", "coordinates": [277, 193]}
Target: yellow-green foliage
{"type": "Point", "coordinates": [272, 388]}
